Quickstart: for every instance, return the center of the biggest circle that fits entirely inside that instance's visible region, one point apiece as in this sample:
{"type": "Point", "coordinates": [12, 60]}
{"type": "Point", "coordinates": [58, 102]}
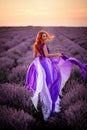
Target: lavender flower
{"type": "Point", "coordinates": [18, 75]}
{"type": "Point", "coordinates": [11, 118]}
{"type": "Point", "coordinates": [76, 115]}
{"type": "Point", "coordinates": [75, 93]}
{"type": "Point", "coordinates": [5, 67]}
{"type": "Point", "coordinates": [16, 96]}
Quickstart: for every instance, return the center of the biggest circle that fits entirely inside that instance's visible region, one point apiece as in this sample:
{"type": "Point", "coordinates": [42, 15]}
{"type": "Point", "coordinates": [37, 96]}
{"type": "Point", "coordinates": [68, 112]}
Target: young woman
{"type": "Point", "coordinates": [47, 75]}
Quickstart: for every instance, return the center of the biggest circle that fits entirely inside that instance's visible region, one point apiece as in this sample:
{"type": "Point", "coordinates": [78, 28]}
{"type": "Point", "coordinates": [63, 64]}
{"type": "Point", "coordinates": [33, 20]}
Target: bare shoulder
{"type": "Point", "coordinates": [44, 46]}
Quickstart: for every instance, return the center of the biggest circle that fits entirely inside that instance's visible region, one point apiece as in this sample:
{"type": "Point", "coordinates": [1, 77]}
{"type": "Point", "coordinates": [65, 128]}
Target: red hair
{"type": "Point", "coordinates": [39, 40]}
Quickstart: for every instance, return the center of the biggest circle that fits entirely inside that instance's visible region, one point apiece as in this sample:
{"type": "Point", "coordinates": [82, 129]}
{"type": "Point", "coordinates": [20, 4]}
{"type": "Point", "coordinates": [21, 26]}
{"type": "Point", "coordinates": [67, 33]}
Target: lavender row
{"type": "Point", "coordinates": [14, 95]}
{"type": "Point", "coordinates": [11, 118]}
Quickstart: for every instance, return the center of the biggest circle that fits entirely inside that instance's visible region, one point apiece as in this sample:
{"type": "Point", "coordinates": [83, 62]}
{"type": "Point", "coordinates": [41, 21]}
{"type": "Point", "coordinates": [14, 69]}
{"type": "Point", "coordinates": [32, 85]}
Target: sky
{"type": "Point", "coordinates": [43, 12]}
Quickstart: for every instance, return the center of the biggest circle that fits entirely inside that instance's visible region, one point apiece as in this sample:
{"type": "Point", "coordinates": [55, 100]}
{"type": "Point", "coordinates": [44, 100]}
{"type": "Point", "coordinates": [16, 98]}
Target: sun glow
{"type": "Point", "coordinates": [43, 12]}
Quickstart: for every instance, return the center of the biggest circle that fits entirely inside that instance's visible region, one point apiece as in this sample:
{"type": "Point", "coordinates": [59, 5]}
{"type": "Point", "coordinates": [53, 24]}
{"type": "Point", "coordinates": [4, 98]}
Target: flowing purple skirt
{"type": "Point", "coordinates": [46, 77]}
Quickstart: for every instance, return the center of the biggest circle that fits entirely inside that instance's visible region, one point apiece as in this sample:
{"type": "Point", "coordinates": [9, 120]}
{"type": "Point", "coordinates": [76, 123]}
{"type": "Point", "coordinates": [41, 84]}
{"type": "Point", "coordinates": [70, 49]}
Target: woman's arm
{"type": "Point", "coordinates": [50, 55]}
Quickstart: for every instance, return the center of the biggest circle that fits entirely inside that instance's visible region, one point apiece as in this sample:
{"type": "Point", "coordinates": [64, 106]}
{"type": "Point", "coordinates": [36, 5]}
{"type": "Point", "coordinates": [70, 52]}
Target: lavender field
{"type": "Point", "coordinates": [16, 109]}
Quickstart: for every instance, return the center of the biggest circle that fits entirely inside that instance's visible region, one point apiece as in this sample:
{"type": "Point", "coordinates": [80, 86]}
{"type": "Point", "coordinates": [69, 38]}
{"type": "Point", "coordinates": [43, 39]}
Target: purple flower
{"type": "Point", "coordinates": [74, 93]}
{"type": "Point", "coordinates": [76, 115]}
{"type": "Point", "coordinates": [18, 75]}
{"type": "Point", "coordinates": [5, 67]}
{"type": "Point", "coordinates": [16, 96]}
{"type": "Point", "coordinates": [11, 118]}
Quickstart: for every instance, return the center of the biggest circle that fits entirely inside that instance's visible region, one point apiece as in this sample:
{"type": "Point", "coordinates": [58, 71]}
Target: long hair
{"type": "Point", "coordinates": [39, 40]}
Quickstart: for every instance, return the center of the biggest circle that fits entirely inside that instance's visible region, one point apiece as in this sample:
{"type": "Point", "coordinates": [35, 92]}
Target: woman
{"type": "Point", "coordinates": [47, 75]}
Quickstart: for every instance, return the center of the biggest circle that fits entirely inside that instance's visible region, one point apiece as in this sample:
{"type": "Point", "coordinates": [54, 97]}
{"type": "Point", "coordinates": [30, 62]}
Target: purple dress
{"type": "Point", "coordinates": [46, 77]}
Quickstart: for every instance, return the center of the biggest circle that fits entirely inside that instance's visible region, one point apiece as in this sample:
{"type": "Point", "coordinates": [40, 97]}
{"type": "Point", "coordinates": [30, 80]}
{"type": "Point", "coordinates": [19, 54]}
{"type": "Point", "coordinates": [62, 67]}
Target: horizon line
{"type": "Point", "coordinates": [42, 26]}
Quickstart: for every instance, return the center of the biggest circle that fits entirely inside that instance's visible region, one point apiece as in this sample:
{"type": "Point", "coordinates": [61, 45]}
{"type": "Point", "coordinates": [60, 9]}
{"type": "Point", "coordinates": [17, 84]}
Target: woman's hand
{"type": "Point", "coordinates": [59, 54]}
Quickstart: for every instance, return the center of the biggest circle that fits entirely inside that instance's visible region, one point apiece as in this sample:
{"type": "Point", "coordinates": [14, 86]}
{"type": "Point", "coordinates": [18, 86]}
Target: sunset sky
{"type": "Point", "coordinates": [43, 12]}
